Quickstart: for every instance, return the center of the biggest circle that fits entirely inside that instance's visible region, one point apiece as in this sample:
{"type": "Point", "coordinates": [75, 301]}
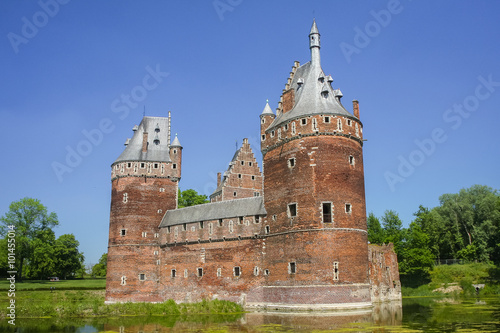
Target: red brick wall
{"type": "Point", "coordinates": [384, 273]}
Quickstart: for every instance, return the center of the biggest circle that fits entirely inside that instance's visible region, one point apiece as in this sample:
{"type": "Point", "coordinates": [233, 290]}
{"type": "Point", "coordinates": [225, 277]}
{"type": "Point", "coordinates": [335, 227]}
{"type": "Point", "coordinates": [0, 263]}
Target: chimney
{"type": "Point", "coordinates": [218, 179]}
{"type": "Point", "coordinates": [355, 108]}
{"type": "Point", "coordinates": [144, 142]}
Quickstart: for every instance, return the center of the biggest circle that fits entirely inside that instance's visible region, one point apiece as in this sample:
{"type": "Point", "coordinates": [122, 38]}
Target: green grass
{"type": "Point", "coordinates": [80, 284]}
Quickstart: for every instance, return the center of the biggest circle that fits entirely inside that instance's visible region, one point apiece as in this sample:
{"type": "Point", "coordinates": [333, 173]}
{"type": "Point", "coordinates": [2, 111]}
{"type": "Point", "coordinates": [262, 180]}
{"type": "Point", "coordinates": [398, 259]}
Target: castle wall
{"type": "Point", "coordinates": [384, 273]}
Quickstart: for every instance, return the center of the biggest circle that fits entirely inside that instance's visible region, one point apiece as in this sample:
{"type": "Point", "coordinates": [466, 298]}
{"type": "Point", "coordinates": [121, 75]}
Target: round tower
{"type": "Point", "coordinates": [314, 193]}
{"type": "Point", "coordinates": [144, 185]}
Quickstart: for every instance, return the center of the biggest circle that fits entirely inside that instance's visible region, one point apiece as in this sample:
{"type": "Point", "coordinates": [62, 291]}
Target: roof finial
{"type": "Point", "coordinates": [314, 44]}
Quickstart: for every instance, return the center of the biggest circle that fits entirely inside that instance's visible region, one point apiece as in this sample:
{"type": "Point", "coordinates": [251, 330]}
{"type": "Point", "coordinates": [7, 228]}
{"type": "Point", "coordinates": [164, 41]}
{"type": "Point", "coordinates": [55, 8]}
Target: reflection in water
{"type": "Point", "coordinates": [420, 315]}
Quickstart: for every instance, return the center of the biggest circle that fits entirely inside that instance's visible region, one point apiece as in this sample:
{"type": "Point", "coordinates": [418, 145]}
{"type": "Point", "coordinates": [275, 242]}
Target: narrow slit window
{"type": "Point", "coordinates": [173, 273]}
{"type": "Point", "coordinates": [142, 277]}
{"type": "Point", "coordinates": [237, 271]}
{"type": "Point", "coordinates": [291, 268]}
{"type": "Point", "coordinates": [200, 272]}
{"type": "Point", "coordinates": [123, 232]}
{"type": "Point", "coordinates": [335, 271]}
{"type": "Point", "coordinates": [351, 160]}
{"type": "Point", "coordinates": [268, 229]}
{"type": "Point", "coordinates": [292, 210]}
{"type": "Point", "coordinates": [327, 212]}
{"type": "Point", "coordinates": [348, 208]}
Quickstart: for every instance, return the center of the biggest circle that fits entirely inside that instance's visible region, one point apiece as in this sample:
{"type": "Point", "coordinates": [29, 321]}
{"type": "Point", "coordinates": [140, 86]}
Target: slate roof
{"type": "Point", "coordinates": [309, 95]}
{"type": "Point", "coordinates": [158, 141]}
{"type": "Point", "coordinates": [214, 211]}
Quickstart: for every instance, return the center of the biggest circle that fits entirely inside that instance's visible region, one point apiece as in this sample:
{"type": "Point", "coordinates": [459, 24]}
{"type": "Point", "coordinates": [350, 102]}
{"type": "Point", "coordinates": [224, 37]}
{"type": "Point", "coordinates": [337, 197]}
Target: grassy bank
{"type": "Point", "coordinates": [458, 280]}
{"type": "Point", "coordinates": [80, 284]}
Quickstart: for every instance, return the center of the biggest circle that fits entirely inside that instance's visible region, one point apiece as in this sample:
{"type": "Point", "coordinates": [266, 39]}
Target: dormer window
{"type": "Point", "coordinates": [324, 94]}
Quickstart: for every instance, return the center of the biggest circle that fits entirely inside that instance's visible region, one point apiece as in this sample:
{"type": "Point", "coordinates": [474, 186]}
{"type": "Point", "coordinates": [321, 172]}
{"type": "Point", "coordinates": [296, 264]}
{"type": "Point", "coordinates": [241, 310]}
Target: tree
{"type": "Point", "coordinates": [68, 260]}
{"type": "Point", "coordinates": [376, 234]}
{"type": "Point", "coordinates": [393, 229]}
{"type": "Point", "coordinates": [190, 198]}
{"type": "Point", "coordinates": [41, 264]}
{"type": "Point", "coordinates": [99, 269]}
{"type": "Point", "coordinates": [30, 219]}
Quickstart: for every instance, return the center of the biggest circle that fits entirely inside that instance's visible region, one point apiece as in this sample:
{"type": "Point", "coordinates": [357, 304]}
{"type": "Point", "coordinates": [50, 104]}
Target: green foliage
{"type": "Point", "coordinates": [190, 198]}
{"type": "Point", "coordinates": [31, 221]}
{"type": "Point", "coordinates": [477, 273]}
{"type": "Point", "coordinates": [99, 269]}
{"type": "Point", "coordinates": [376, 234]}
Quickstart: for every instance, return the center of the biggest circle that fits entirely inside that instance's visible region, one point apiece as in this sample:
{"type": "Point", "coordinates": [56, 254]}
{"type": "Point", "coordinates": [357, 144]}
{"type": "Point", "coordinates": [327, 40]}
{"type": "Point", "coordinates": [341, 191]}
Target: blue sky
{"type": "Point", "coordinates": [426, 74]}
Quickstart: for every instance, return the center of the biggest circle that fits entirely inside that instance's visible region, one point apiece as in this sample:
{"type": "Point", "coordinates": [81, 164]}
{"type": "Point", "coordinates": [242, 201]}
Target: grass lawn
{"type": "Point", "coordinates": [81, 284]}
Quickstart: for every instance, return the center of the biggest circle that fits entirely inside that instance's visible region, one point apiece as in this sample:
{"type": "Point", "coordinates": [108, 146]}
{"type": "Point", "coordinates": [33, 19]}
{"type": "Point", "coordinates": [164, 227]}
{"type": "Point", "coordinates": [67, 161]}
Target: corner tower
{"type": "Point", "coordinates": [314, 192]}
{"type": "Point", "coordinates": [144, 185]}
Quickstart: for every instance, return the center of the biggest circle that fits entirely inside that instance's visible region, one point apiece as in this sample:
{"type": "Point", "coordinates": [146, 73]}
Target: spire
{"type": "Point", "coordinates": [176, 142]}
{"type": "Point", "coordinates": [267, 109]}
{"type": "Point", "coordinates": [314, 44]}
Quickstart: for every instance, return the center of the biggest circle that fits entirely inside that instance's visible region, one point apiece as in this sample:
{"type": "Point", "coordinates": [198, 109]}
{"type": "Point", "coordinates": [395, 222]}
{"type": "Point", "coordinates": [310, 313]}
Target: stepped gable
{"type": "Point", "coordinates": [214, 211]}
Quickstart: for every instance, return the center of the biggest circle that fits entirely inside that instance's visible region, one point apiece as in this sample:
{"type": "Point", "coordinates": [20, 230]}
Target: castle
{"type": "Point", "coordinates": [293, 236]}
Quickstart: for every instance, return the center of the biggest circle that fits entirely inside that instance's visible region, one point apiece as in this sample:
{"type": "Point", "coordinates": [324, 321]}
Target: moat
{"type": "Point", "coordinates": [422, 314]}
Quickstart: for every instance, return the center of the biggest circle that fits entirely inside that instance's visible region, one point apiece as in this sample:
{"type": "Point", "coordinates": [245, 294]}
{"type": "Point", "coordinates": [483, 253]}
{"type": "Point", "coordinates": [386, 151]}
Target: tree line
{"type": "Point", "coordinates": [38, 253]}
{"type": "Point", "coordinates": [465, 226]}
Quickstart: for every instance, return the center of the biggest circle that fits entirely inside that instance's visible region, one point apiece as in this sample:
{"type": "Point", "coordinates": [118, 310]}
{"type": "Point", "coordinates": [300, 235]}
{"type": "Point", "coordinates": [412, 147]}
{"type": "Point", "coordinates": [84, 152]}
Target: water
{"type": "Point", "coordinates": [413, 315]}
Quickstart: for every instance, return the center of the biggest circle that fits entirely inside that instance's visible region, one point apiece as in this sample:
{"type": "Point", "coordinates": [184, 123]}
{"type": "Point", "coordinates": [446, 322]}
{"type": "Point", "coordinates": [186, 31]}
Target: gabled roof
{"type": "Point", "coordinates": [214, 211]}
{"type": "Point", "coordinates": [157, 143]}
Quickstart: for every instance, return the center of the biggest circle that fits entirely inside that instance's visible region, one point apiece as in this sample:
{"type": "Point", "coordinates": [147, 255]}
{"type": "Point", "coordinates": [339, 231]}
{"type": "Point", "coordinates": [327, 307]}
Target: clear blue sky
{"type": "Point", "coordinates": [426, 74]}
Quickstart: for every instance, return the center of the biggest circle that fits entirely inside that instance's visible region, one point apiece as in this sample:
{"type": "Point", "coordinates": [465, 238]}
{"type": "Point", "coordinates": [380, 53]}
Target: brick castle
{"type": "Point", "coordinates": [293, 236]}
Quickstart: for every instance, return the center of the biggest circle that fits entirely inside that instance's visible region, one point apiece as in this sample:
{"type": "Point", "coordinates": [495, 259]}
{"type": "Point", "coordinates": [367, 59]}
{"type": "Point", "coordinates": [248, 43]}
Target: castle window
{"type": "Point", "coordinates": [279, 133]}
{"type": "Point", "coordinates": [286, 127]}
{"type": "Point", "coordinates": [162, 169]}
{"type": "Point", "coordinates": [256, 194]}
{"type": "Point", "coordinates": [155, 253]}
{"type": "Point", "coordinates": [303, 121]}
{"type": "Point", "coordinates": [239, 175]}
{"type": "Point", "coordinates": [144, 234]}
{"type": "Point", "coordinates": [274, 217]}
{"type": "Point", "coordinates": [176, 232]}
{"type": "Point", "coordinates": [324, 93]}
{"type": "Point", "coordinates": [339, 125]}
{"type": "Point", "coordinates": [230, 226]}
{"type": "Point", "coordinates": [268, 229]}
{"type": "Point", "coordinates": [357, 129]}
{"type": "Point", "coordinates": [125, 197]}
{"type": "Point", "coordinates": [272, 134]}
{"type": "Point", "coordinates": [314, 124]}
{"type": "Point", "coordinates": [168, 229]}
{"type": "Point", "coordinates": [174, 166]}
{"type": "Point", "coordinates": [263, 137]}
{"type": "Point", "coordinates": [143, 165]}
{"type": "Point", "coordinates": [327, 212]}
{"type": "Point", "coordinates": [210, 228]}
{"type": "Point", "coordinates": [184, 226]}
{"type": "Point", "coordinates": [173, 273]}
{"type": "Point", "coordinates": [266, 272]}
{"type": "Point", "coordinates": [219, 272]}
{"type": "Point", "coordinates": [291, 268]}
{"type": "Point", "coordinates": [348, 208]}
{"type": "Point", "coordinates": [236, 271]}
{"type": "Point", "coordinates": [249, 163]}
{"type": "Point", "coordinates": [129, 165]}
{"type": "Point", "coordinates": [257, 219]}
{"type": "Point", "coordinates": [175, 151]}
{"type": "Point", "coordinates": [253, 177]}
{"type": "Point", "coordinates": [123, 281]}
{"type": "Point", "coordinates": [234, 194]}
{"type": "Point", "coordinates": [220, 222]}
{"type": "Point", "coordinates": [293, 128]}
{"type": "Point", "coordinates": [351, 160]}
{"type": "Point", "coordinates": [135, 167]}
{"type": "Point", "coordinates": [142, 277]}
{"type": "Point", "coordinates": [158, 262]}
{"type": "Point", "coordinates": [155, 166]}
{"type": "Point", "coordinates": [200, 271]}
{"type": "Point", "coordinates": [162, 189]}
{"type": "Point", "coordinates": [292, 210]}
{"type": "Point", "coordinates": [201, 224]}
{"type": "Point", "coordinates": [327, 119]}
{"type": "Point", "coordinates": [160, 211]}
{"type": "Point", "coordinates": [263, 121]}
{"type": "Point", "coordinates": [240, 220]}
{"type": "Point", "coordinates": [156, 235]}
{"type": "Point", "coordinates": [256, 271]}
{"type": "Point", "coordinates": [185, 273]}
{"type": "Point", "coordinates": [123, 232]}
{"type": "Point", "coordinates": [291, 162]}
{"type": "Point", "coordinates": [242, 162]}
{"type": "Point", "coordinates": [335, 271]}
{"type": "Point", "coordinates": [348, 122]}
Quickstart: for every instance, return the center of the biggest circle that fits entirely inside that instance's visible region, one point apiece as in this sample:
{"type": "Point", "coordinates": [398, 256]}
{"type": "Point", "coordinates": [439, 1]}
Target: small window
{"type": "Point", "coordinates": [249, 163]}
{"type": "Point", "coordinates": [185, 273]}
{"type": "Point", "coordinates": [173, 273]}
{"type": "Point", "coordinates": [175, 151]}
{"type": "Point", "coordinates": [158, 262]}
{"type": "Point", "coordinates": [220, 222]}
{"type": "Point", "coordinates": [256, 271]}
{"type": "Point", "coordinates": [239, 175]}
{"type": "Point", "coordinates": [348, 208]}
{"type": "Point", "coordinates": [144, 234]}
{"type": "Point", "coordinates": [234, 194]}
{"type": "Point", "coordinates": [256, 194]}
{"type": "Point", "coordinates": [155, 253]}
{"type": "Point", "coordinates": [237, 271]}
{"type": "Point", "coordinates": [200, 271]}
{"type": "Point", "coordinates": [339, 125]}
{"type": "Point", "coordinates": [162, 189]}
{"type": "Point", "coordinates": [219, 272]}
{"type": "Point", "coordinates": [293, 128]}
{"type": "Point", "coordinates": [242, 162]}
{"type": "Point", "coordinates": [272, 134]}
{"type": "Point", "coordinates": [123, 232]}
{"type": "Point", "coordinates": [230, 226]}
{"type": "Point", "coordinates": [125, 197]}
{"type": "Point", "coordinates": [155, 166]}
{"type": "Point", "coordinates": [156, 235]}
{"type": "Point", "coordinates": [279, 133]}
{"type": "Point", "coordinates": [129, 165]}
{"type": "Point", "coordinates": [266, 272]}
{"type": "Point", "coordinates": [143, 165]}
{"type": "Point", "coordinates": [335, 271]}
{"type": "Point", "coordinates": [210, 228]}
{"type": "Point", "coordinates": [351, 160]}
{"type": "Point", "coordinates": [142, 277]}
{"type": "Point", "coordinates": [257, 219]}
{"type": "Point", "coordinates": [168, 229]}
{"type": "Point", "coordinates": [292, 210]}
{"type": "Point", "coordinates": [327, 212]}
{"type": "Point", "coordinates": [253, 177]}
{"type": "Point", "coordinates": [201, 224]}
{"type": "Point", "coordinates": [160, 211]}
{"type": "Point", "coordinates": [327, 119]}
{"type": "Point", "coordinates": [263, 138]}
{"type": "Point", "coordinates": [240, 220]}
{"type": "Point", "coordinates": [268, 229]}
{"type": "Point", "coordinates": [303, 121]}
{"type": "Point", "coordinates": [286, 127]}
{"type": "Point", "coordinates": [314, 124]}
{"type": "Point", "coordinates": [123, 281]}
{"type": "Point", "coordinates": [291, 162]}
{"type": "Point", "coordinates": [291, 268]}
{"type": "Point", "coordinates": [174, 166]}
{"type": "Point", "coordinates": [348, 122]}
{"type": "Point", "coordinates": [184, 226]}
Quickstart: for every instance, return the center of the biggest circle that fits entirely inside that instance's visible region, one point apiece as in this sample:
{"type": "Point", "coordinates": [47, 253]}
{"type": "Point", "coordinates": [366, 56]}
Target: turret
{"type": "Point", "coordinates": [314, 45]}
{"type": "Point", "coordinates": [266, 118]}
